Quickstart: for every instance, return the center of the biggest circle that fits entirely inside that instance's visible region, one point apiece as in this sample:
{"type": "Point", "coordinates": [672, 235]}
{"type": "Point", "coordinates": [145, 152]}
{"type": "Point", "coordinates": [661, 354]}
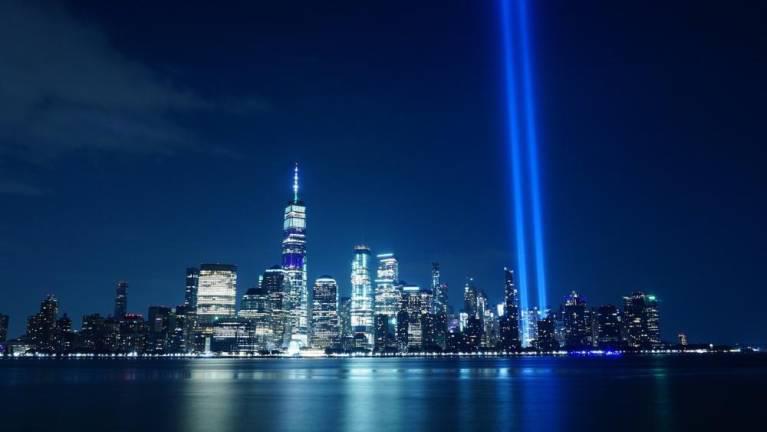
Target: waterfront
{"type": "Point", "coordinates": [527, 393]}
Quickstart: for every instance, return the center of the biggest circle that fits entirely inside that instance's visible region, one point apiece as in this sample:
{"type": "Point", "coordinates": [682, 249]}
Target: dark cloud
{"type": "Point", "coordinates": [63, 87]}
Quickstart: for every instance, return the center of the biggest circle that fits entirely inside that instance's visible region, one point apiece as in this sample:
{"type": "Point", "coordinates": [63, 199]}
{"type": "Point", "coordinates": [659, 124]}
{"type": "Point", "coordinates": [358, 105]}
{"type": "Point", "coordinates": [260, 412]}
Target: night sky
{"type": "Point", "coordinates": [137, 139]}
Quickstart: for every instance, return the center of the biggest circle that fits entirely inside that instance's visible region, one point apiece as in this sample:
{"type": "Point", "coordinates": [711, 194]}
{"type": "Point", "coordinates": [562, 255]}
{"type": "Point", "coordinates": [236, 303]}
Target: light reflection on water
{"type": "Point", "coordinates": [377, 394]}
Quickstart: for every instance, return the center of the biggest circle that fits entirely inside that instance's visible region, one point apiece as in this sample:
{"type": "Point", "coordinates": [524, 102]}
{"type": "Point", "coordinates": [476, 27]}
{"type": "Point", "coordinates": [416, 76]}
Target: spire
{"type": "Point", "coordinates": [295, 184]}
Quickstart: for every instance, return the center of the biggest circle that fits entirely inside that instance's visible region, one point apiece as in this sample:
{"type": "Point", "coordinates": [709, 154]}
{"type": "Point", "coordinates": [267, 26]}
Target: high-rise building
{"type": "Point", "coordinates": [414, 310]}
{"type": "Point", "coordinates": [577, 322]}
{"type": "Point", "coordinates": [439, 307]}
{"type": "Point", "coordinates": [345, 316]}
{"type": "Point", "coordinates": [41, 327]}
{"type": "Point", "coordinates": [255, 304]}
{"type": "Point", "coordinates": [325, 326]}
{"type": "Point", "coordinates": [182, 333]}
{"type": "Point", "coordinates": [121, 300]}
{"type": "Point", "coordinates": [294, 266]}
{"type": "Point", "coordinates": [93, 334]}
{"type": "Point", "coordinates": [387, 302]}
{"type": "Point", "coordinates": [529, 326]}
{"type": "Point", "coordinates": [470, 297]}
{"type": "Point", "coordinates": [190, 292]}
{"type": "Point", "coordinates": [273, 282]}
{"type": "Point", "coordinates": [547, 340]}
{"type": "Point", "coordinates": [608, 327]}
{"type": "Point", "coordinates": [132, 333]}
{"type": "Point", "coordinates": [387, 293]}
{"type": "Point", "coordinates": [509, 323]}
{"type": "Point", "coordinates": [160, 325]}
{"type": "Point", "coordinates": [64, 335]}
{"type": "Point", "coordinates": [641, 320]}
{"type": "Point", "coordinates": [3, 328]}
{"type": "Point", "coordinates": [256, 307]}
{"type": "Point", "coordinates": [362, 295]}
{"type": "Point", "coordinates": [439, 290]}
{"type": "Point", "coordinates": [216, 292]}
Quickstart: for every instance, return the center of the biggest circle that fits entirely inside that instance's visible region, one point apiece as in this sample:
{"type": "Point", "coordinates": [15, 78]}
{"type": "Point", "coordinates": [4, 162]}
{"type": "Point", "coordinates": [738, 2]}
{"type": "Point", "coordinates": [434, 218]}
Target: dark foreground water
{"type": "Point", "coordinates": [540, 394]}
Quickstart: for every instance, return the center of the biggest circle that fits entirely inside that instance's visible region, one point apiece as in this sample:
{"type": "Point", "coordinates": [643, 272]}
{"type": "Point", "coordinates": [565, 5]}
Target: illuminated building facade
{"type": "Point", "coordinates": [529, 328]}
{"type": "Point", "coordinates": [121, 300]}
{"type": "Point", "coordinates": [388, 298]}
{"type": "Point", "coordinates": [642, 322]}
{"type": "Point", "coordinates": [160, 324]}
{"type": "Point", "coordinates": [547, 340]}
{"type": "Point", "coordinates": [470, 297]}
{"type": "Point", "coordinates": [387, 292]}
{"type": "Point", "coordinates": [577, 322]}
{"type": "Point", "coordinates": [190, 292]}
{"type": "Point", "coordinates": [294, 265]}
{"type": "Point", "coordinates": [132, 334]}
{"type": "Point", "coordinates": [362, 295]}
{"type": "Point", "coordinates": [182, 335]}
{"type": "Point", "coordinates": [509, 325]}
{"type": "Point", "coordinates": [273, 281]}
{"type": "Point", "coordinates": [325, 324]}
{"type": "Point", "coordinates": [439, 290]}
{"type": "Point", "coordinates": [216, 292]}
{"type": "Point", "coordinates": [414, 311]}
{"type": "Point", "coordinates": [41, 327]}
{"type": "Point", "coordinates": [608, 327]}
{"type": "Point", "coordinates": [256, 307]}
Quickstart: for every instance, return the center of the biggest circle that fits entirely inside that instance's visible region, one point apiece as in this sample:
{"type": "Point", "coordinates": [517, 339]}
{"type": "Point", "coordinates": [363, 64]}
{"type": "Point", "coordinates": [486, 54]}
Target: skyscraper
{"type": "Point", "coordinates": [509, 323]}
{"type": "Point", "coordinates": [387, 295]}
{"type": "Point", "coordinates": [547, 340]}
{"type": "Point", "coordinates": [413, 314]}
{"type": "Point", "coordinates": [216, 292]}
{"type": "Point", "coordinates": [642, 322]}
{"type": "Point", "coordinates": [608, 323]}
{"type": "Point", "coordinates": [41, 327]}
{"type": "Point", "coordinates": [387, 302]}
{"type": "Point", "coordinates": [470, 297]}
{"type": "Point", "coordinates": [273, 281]}
{"type": "Point", "coordinates": [294, 265]}
{"type": "Point", "coordinates": [121, 300]}
{"type": "Point", "coordinates": [577, 322]}
{"type": "Point", "coordinates": [362, 295]}
{"type": "Point", "coordinates": [256, 306]}
{"type": "Point", "coordinates": [190, 293]}
{"type": "Point", "coordinates": [529, 327]}
{"type": "Point", "coordinates": [439, 290]}
{"type": "Point", "coordinates": [160, 326]}
{"type": "Point", "coordinates": [325, 325]}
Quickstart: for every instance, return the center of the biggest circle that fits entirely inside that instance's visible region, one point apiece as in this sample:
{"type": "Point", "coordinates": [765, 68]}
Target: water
{"type": "Point", "coordinates": [541, 394]}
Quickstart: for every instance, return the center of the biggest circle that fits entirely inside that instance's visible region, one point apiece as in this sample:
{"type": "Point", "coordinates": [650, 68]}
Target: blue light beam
{"type": "Point", "coordinates": [514, 153]}
{"type": "Point", "coordinates": [532, 160]}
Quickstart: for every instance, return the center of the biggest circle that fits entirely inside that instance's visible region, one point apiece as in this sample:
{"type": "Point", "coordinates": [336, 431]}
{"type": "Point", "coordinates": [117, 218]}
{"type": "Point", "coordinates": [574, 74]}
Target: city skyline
{"type": "Point", "coordinates": [178, 147]}
{"type": "Point", "coordinates": [384, 308]}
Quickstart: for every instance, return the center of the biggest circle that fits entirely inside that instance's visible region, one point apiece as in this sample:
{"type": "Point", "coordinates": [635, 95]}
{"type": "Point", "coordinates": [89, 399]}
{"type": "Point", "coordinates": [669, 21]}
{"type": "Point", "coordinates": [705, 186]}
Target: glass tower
{"type": "Point", "coordinates": [362, 294]}
{"type": "Point", "coordinates": [190, 292]}
{"type": "Point", "coordinates": [387, 292]}
{"type": "Point", "coordinates": [325, 327]}
{"type": "Point", "coordinates": [121, 300]}
{"type": "Point", "coordinates": [216, 292]}
{"type": "Point", "coordinates": [294, 266]}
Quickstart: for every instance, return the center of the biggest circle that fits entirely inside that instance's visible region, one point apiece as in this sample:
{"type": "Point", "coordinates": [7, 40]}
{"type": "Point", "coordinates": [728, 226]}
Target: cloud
{"type": "Point", "coordinates": [19, 189]}
{"type": "Point", "coordinates": [63, 87]}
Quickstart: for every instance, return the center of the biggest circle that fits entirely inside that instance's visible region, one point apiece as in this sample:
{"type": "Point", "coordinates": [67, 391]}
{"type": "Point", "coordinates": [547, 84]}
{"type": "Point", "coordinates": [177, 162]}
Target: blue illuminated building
{"type": "Point", "coordinates": [294, 266]}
